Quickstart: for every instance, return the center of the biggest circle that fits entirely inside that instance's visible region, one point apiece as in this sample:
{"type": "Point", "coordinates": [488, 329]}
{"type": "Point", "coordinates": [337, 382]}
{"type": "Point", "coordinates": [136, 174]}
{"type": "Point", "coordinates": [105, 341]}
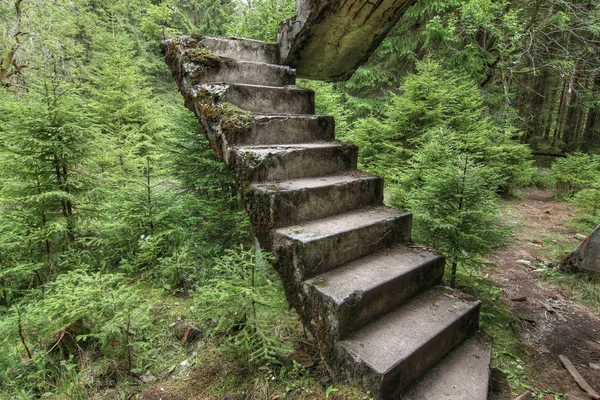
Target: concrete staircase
{"type": "Point", "coordinates": [367, 294]}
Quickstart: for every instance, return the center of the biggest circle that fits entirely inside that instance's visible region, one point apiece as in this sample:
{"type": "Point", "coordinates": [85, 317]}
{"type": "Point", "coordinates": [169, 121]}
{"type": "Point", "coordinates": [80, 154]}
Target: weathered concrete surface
{"type": "Point", "coordinates": [293, 201]}
{"type": "Point", "coordinates": [329, 39]}
{"type": "Point", "coordinates": [365, 289]}
{"type": "Point", "coordinates": [586, 256]}
{"type": "Point", "coordinates": [241, 49]}
{"type": "Point", "coordinates": [272, 163]}
{"type": "Point", "coordinates": [266, 99]}
{"type": "Point", "coordinates": [286, 129]}
{"type": "Point", "coordinates": [391, 353]}
{"type": "Point", "coordinates": [464, 374]}
{"type": "Point", "coordinates": [318, 246]}
{"type": "Point", "coordinates": [250, 73]}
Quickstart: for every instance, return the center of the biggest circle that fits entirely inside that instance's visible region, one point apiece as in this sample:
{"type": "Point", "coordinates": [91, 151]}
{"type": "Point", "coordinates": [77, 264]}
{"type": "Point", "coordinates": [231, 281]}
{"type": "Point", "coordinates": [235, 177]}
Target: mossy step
{"type": "Point", "coordinates": [285, 129]}
{"type": "Point", "coordinates": [265, 99]}
{"type": "Point", "coordinates": [276, 163]}
{"type": "Point", "coordinates": [242, 49]}
{"type": "Point", "coordinates": [248, 72]}
{"type": "Point", "coordinates": [464, 374]}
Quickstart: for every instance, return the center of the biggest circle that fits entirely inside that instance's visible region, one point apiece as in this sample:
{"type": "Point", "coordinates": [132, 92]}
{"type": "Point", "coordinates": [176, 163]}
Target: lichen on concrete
{"type": "Point", "coordinates": [328, 40]}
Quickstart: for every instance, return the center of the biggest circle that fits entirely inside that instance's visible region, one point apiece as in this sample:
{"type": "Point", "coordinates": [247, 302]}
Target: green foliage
{"type": "Point", "coordinates": [584, 285]}
{"type": "Point", "coordinates": [47, 142]}
{"type": "Point", "coordinates": [432, 99]}
{"type": "Point", "coordinates": [543, 178]}
{"type": "Point", "coordinates": [79, 311]}
{"type": "Point", "coordinates": [107, 180]}
{"type": "Point", "coordinates": [454, 202]}
{"type": "Point", "coordinates": [260, 19]}
{"type": "Point", "coordinates": [155, 23]}
{"type": "Point", "coordinates": [576, 172]}
{"type": "Point", "coordinates": [242, 299]}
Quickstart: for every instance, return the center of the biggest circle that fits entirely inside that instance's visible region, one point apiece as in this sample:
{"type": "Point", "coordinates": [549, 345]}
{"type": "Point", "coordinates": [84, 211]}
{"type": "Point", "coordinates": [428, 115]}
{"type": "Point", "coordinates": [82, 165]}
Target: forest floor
{"type": "Point", "coordinates": [550, 319]}
{"type": "Point", "coordinates": [551, 322]}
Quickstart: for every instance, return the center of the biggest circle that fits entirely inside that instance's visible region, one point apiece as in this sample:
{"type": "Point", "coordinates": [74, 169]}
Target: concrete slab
{"type": "Point", "coordinates": [329, 39]}
{"type": "Point", "coordinates": [367, 288]}
{"type": "Point", "coordinates": [286, 129]}
{"type": "Point", "coordinates": [321, 245]}
{"type": "Point", "coordinates": [250, 73]}
{"type": "Point", "coordinates": [464, 374]}
{"type": "Point", "coordinates": [391, 353]}
{"type": "Point", "coordinates": [371, 272]}
{"type": "Point", "coordinates": [267, 99]}
{"type": "Point", "coordinates": [242, 49]}
{"type": "Point", "coordinates": [276, 163]}
{"type": "Point", "coordinates": [293, 201]}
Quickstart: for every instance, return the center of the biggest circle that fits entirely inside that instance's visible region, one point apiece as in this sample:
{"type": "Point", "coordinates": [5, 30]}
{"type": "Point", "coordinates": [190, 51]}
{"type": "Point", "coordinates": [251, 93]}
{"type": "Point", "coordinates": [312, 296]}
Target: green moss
{"type": "Point", "coordinates": [233, 117]}
{"type": "Point", "coordinates": [203, 57]}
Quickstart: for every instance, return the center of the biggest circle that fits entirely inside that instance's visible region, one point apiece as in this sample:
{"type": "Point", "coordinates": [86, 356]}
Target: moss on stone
{"type": "Point", "coordinates": [203, 60]}
{"type": "Point", "coordinates": [234, 118]}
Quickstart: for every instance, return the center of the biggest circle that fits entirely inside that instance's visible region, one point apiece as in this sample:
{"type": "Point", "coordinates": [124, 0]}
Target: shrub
{"type": "Point", "coordinates": [241, 301]}
{"type": "Point", "coordinates": [575, 172]}
{"type": "Point", "coordinates": [79, 311]}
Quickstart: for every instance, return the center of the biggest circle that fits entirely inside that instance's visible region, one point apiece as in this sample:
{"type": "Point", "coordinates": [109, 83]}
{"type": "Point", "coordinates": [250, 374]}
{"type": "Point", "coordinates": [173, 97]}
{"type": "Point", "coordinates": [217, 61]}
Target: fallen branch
{"type": "Point", "coordinates": [578, 378]}
{"type": "Point", "coordinates": [551, 309]}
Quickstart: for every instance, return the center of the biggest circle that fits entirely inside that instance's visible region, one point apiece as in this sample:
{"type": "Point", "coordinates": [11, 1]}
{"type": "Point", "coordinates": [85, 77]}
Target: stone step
{"type": "Point", "coordinates": [388, 355]}
{"type": "Point", "coordinates": [242, 49]}
{"type": "Point", "coordinates": [464, 374]}
{"type": "Point", "coordinates": [275, 163]}
{"type": "Point", "coordinates": [285, 129]}
{"type": "Point", "coordinates": [250, 73]}
{"type": "Point", "coordinates": [315, 247]}
{"type": "Point", "coordinates": [293, 201]}
{"type": "Point", "coordinates": [351, 296]}
{"type": "Point", "coordinates": [266, 99]}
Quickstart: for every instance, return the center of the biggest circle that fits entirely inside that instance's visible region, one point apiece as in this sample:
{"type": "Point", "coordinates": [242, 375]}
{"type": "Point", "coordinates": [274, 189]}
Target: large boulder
{"type": "Point", "coordinates": [586, 256]}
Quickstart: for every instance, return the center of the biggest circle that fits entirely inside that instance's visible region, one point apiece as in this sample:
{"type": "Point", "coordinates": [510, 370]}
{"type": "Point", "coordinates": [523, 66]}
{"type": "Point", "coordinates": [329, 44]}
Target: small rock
{"type": "Point", "coordinates": [530, 351]}
{"type": "Point", "coordinates": [579, 236]}
{"type": "Point", "coordinates": [148, 378]}
{"type": "Point", "coordinates": [525, 396]}
{"type": "Point", "coordinates": [544, 349]}
{"type": "Point", "coordinates": [594, 366]}
{"type": "Point", "coordinates": [547, 211]}
{"type": "Point", "coordinates": [550, 294]}
{"type": "Point", "coordinates": [571, 397]}
{"type": "Point", "coordinates": [519, 299]}
{"type": "Point", "coordinates": [523, 262]}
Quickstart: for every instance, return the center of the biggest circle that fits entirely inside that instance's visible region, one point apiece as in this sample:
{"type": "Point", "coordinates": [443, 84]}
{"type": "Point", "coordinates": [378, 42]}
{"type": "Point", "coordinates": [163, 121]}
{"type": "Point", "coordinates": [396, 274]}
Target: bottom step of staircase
{"type": "Point", "coordinates": [464, 374]}
{"type": "Point", "coordinates": [390, 354]}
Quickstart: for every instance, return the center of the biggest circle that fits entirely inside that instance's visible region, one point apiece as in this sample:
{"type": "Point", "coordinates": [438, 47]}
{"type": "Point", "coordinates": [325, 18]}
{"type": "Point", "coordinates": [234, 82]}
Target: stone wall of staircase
{"type": "Point", "coordinates": [365, 292]}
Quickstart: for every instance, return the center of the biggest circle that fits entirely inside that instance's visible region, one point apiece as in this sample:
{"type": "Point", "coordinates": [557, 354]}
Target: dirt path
{"type": "Point", "coordinates": [550, 322]}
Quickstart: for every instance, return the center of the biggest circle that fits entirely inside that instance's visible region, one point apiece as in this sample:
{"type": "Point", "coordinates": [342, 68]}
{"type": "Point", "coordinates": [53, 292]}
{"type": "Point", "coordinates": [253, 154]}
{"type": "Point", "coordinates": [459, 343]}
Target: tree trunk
{"type": "Point", "coordinates": [569, 130]}
{"type": "Point", "coordinates": [561, 107]}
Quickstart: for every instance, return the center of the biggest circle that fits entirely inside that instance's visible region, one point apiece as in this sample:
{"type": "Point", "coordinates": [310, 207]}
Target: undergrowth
{"type": "Point", "coordinates": [584, 287]}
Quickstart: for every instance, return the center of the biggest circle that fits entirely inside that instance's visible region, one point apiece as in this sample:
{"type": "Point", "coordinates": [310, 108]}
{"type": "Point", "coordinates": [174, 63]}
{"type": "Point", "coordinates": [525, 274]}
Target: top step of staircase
{"type": "Point", "coordinates": [242, 49]}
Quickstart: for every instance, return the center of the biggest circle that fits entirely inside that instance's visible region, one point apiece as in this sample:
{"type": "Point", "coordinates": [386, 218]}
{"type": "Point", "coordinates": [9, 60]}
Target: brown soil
{"type": "Point", "coordinates": [551, 323]}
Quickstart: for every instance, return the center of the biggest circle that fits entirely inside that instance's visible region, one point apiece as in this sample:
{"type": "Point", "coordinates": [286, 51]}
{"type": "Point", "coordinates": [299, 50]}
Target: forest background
{"type": "Point", "coordinates": [125, 254]}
